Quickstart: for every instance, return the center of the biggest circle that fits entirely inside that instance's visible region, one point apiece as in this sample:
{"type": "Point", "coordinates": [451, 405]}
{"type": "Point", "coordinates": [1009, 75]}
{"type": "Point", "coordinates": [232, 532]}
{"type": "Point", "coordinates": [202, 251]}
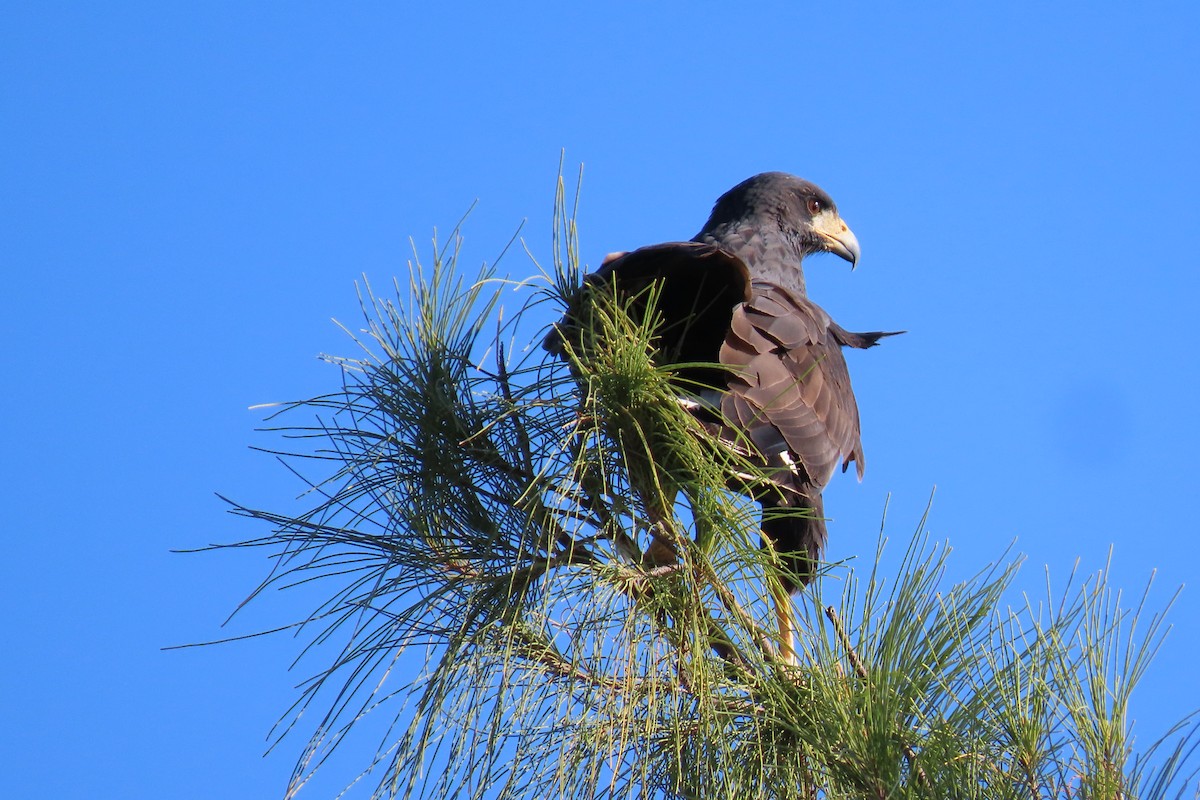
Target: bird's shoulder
{"type": "Point", "coordinates": [692, 287]}
{"type": "Point", "coordinates": [676, 265]}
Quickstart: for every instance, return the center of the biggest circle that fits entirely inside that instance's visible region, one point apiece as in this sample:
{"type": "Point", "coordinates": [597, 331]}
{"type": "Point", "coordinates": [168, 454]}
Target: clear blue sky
{"type": "Point", "coordinates": [190, 191]}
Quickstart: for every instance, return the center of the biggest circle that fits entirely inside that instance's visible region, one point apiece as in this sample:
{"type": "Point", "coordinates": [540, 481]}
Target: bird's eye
{"type": "Point", "coordinates": [815, 206]}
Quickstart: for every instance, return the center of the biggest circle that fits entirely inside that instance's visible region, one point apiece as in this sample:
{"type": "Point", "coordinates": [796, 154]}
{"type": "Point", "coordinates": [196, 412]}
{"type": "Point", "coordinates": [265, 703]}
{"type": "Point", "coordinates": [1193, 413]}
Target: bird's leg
{"type": "Point", "coordinates": [663, 549]}
{"type": "Point", "coordinates": [785, 616]}
{"type": "Point", "coordinates": [657, 495]}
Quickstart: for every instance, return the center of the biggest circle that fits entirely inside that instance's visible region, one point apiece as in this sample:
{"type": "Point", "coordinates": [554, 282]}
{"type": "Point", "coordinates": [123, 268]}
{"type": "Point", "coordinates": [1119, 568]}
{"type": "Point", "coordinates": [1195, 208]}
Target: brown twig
{"type": "Point", "coordinates": [861, 671]}
{"type": "Point", "coordinates": [733, 607]}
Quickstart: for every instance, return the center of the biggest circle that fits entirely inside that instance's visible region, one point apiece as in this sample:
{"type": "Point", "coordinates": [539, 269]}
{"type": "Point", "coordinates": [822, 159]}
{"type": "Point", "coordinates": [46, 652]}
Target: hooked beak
{"type": "Point", "coordinates": [837, 237]}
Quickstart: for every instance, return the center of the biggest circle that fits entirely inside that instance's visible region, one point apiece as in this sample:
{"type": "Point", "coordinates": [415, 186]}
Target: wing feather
{"type": "Point", "coordinates": [789, 388]}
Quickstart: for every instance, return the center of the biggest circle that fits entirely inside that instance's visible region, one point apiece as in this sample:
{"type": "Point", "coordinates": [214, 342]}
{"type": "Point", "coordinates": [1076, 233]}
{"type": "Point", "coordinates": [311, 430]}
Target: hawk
{"type": "Point", "coordinates": [734, 296]}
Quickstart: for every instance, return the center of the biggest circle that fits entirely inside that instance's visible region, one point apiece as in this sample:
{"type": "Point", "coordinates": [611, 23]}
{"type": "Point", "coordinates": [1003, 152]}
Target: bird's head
{"type": "Point", "coordinates": [800, 209]}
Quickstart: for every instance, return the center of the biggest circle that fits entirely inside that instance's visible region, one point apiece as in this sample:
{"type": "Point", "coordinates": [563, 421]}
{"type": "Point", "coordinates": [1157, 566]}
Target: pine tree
{"type": "Point", "coordinates": [490, 505]}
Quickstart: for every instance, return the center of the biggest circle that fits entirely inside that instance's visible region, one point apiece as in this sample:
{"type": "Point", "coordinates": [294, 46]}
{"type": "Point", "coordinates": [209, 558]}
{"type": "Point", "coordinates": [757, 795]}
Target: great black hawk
{"type": "Point", "coordinates": [735, 295]}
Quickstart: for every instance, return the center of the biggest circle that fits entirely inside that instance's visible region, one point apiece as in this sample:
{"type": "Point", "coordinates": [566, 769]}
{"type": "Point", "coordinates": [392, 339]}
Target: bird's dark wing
{"type": "Point", "coordinates": [698, 286]}
{"type": "Point", "coordinates": [789, 389]}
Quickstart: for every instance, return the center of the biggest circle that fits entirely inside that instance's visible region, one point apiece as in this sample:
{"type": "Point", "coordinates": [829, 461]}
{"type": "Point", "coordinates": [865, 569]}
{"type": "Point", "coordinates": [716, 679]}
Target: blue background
{"type": "Point", "coordinates": [189, 192]}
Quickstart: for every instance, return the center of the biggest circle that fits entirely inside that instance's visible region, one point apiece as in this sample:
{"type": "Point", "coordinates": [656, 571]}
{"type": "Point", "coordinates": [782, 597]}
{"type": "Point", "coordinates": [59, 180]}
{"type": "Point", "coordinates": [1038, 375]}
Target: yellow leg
{"type": "Point", "coordinates": [784, 614]}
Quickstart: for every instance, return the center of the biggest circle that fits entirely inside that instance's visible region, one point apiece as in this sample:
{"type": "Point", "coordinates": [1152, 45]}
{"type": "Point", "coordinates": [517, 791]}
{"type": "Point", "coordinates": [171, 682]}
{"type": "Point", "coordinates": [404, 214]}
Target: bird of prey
{"type": "Point", "coordinates": [735, 296]}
